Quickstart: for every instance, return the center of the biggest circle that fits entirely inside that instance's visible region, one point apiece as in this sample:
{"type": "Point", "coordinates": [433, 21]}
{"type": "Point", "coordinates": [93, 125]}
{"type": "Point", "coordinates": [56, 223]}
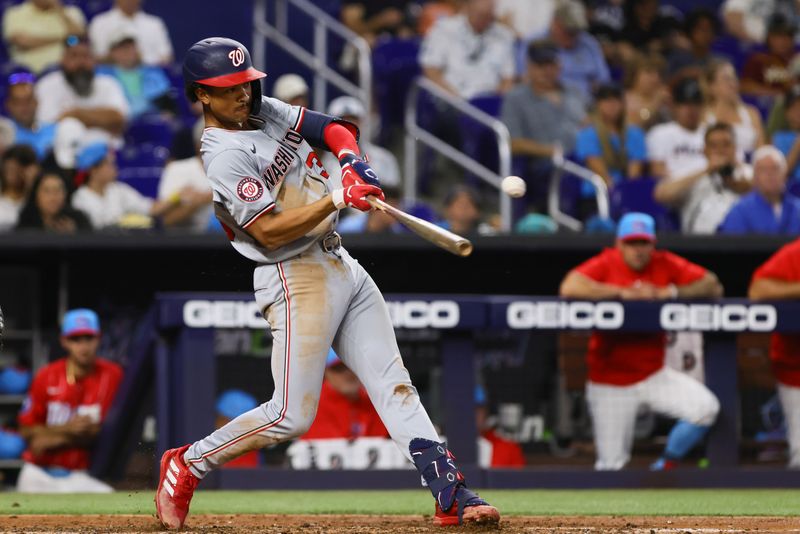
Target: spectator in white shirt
{"type": "Point", "coordinates": [676, 148]}
{"type": "Point", "coordinates": [18, 169]}
{"type": "Point", "coordinates": [35, 31]}
{"type": "Point", "coordinates": [126, 17]}
{"type": "Point", "coordinates": [185, 183]}
{"type": "Point", "coordinates": [470, 54]}
{"type": "Point", "coordinates": [705, 196]}
{"type": "Point", "coordinates": [381, 160]}
{"type": "Point", "coordinates": [106, 201]}
{"type": "Point", "coordinates": [76, 91]}
{"type": "Point", "coordinates": [747, 19]}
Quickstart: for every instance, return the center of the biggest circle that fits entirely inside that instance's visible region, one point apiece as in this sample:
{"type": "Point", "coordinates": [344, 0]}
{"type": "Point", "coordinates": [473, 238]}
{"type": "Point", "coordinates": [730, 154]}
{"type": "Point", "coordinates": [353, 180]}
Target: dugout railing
{"type": "Point", "coordinates": [180, 350]}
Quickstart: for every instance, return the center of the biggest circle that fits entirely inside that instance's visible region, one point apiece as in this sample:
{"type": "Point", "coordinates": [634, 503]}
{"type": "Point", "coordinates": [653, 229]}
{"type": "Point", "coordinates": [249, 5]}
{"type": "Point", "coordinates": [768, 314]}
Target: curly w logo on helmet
{"type": "Point", "coordinates": [236, 56]}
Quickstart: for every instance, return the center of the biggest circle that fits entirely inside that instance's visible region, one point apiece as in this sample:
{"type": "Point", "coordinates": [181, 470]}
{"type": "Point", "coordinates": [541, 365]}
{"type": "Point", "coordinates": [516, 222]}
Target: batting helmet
{"type": "Point", "coordinates": [221, 62]}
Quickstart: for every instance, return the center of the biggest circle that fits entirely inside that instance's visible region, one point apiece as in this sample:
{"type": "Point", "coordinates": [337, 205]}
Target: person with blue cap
{"type": "Point", "coordinates": [62, 415]}
{"type": "Point", "coordinates": [107, 201]}
{"type": "Point", "coordinates": [627, 371]}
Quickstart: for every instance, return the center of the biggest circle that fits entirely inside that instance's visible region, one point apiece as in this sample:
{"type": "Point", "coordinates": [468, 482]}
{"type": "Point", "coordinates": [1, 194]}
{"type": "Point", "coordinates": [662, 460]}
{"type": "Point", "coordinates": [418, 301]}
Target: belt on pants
{"type": "Point", "coordinates": [331, 242]}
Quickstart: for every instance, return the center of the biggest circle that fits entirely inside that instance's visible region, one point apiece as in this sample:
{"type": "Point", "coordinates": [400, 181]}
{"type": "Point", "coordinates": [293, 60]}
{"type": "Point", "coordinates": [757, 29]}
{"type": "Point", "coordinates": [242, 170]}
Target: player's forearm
{"type": "Point", "coordinates": [578, 286]}
{"type": "Point", "coordinates": [707, 287]}
{"type": "Point", "coordinates": [774, 289]}
{"type": "Point", "coordinates": [46, 437]}
{"type": "Point", "coordinates": [275, 230]}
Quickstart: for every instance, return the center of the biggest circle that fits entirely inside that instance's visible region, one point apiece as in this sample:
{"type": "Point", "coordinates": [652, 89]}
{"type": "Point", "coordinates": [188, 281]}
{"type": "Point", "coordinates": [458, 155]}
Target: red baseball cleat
{"type": "Point", "coordinates": [176, 486]}
{"type": "Point", "coordinates": [478, 513]}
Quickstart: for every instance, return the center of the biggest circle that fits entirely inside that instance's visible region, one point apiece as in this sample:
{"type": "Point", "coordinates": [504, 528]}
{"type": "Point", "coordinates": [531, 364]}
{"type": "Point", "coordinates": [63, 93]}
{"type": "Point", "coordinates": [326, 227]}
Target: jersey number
{"type": "Point", "coordinates": [313, 163]}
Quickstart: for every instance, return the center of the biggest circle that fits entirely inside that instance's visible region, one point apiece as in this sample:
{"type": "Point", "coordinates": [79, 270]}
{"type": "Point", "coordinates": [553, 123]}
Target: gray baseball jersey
{"type": "Point", "coordinates": [254, 172]}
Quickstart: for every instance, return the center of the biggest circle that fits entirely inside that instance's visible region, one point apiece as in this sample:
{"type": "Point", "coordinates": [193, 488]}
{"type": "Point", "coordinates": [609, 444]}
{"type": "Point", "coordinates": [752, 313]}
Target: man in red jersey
{"type": "Point", "coordinates": [66, 405]}
{"type": "Point", "coordinates": [779, 279]}
{"type": "Point", "coordinates": [626, 371]}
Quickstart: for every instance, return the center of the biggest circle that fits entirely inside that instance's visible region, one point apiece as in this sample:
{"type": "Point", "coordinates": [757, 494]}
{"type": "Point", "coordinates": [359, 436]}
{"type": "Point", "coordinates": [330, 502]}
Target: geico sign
{"type": "Point", "coordinates": [713, 317]}
{"type": "Point", "coordinates": [579, 315]}
{"type": "Point", "coordinates": [222, 314]}
{"type": "Point", "coordinates": [422, 314]}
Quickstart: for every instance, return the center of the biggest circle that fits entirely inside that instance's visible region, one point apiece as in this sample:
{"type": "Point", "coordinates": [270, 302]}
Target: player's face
{"type": "Point", "coordinates": [636, 253]}
{"type": "Point", "coordinates": [81, 349]}
{"type": "Point", "coordinates": [229, 105]}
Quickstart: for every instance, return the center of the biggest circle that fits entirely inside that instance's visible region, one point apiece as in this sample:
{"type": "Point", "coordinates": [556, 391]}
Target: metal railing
{"type": "Point", "coordinates": [416, 134]}
{"type": "Point", "coordinates": [562, 165]}
{"type": "Point", "coordinates": [321, 24]}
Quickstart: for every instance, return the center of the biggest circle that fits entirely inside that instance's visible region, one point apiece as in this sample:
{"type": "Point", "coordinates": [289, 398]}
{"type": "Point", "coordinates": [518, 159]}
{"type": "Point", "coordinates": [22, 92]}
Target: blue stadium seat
{"type": "Point", "coordinates": [150, 129]}
{"type": "Point", "coordinates": [478, 141]}
{"type": "Point", "coordinates": [141, 167]}
{"type": "Point", "coordinates": [395, 66]}
{"type": "Point", "coordinates": [793, 187]}
{"type": "Point", "coordinates": [733, 49]}
{"type": "Point", "coordinates": [637, 195]}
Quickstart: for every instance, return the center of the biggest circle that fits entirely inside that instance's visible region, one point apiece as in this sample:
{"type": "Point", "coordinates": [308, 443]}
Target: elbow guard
{"type": "Point", "coordinates": [311, 125]}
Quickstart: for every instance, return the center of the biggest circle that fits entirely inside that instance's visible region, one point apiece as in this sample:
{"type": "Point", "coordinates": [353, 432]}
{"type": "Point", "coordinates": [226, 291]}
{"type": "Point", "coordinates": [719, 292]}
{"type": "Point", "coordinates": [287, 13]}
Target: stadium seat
{"type": "Point", "coordinates": [141, 167]}
{"type": "Point", "coordinates": [637, 195]}
{"type": "Point", "coordinates": [150, 129]}
{"type": "Point", "coordinates": [395, 66]}
{"type": "Point", "coordinates": [794, 188]}
{"type": "Point", "coordinates": [477, 140]}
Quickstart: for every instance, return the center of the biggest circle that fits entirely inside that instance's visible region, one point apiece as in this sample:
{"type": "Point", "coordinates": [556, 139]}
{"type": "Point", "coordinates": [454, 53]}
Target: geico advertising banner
{"type": "Point", "coordinates": [521, 313]}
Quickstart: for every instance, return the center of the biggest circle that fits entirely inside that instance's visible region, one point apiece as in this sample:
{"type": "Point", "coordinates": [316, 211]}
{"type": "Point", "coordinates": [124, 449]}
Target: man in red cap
{"type": "Point", "coordinates": [65, 407]}
{"type": "Point", "coordinates": [627, 371]}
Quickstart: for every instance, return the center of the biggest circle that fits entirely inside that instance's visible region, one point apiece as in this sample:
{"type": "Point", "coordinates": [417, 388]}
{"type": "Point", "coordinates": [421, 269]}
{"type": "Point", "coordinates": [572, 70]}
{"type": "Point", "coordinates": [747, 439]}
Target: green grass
{"type": "Point", "coordinates": [510, 502]}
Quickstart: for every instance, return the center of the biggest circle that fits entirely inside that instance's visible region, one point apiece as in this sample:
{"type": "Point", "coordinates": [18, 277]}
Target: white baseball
{"type": "Point", "coordinates": [513, 186]}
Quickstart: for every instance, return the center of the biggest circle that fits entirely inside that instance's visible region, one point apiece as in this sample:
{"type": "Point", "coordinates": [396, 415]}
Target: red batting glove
{"type": "Point", "coordinates": [355, 196]}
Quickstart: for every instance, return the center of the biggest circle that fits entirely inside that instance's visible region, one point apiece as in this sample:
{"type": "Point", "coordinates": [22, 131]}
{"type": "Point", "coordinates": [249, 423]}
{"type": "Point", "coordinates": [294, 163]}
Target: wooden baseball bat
{"type": "Point", "coordinates": [435, 234]}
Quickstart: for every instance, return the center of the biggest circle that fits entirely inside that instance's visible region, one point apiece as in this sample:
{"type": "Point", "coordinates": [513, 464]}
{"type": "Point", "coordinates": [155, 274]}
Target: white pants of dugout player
{"type": "Point", "coordinates": [666, 392]}
{"type": "Point", "coordinates": [790, 403]}
{"type": "Point", "coordinates": [34, 479]}
{"type": "Point", "coordinates": [312, 302]}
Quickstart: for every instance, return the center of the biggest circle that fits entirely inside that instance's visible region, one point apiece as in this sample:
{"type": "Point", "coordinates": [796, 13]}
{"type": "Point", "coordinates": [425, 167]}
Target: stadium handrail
{"type": "Point", "coordinates": [415, 133]}
{"type": "Point", "coordinates": [323, 23]}
{"type": "Point", "coordinates": [561, 165]}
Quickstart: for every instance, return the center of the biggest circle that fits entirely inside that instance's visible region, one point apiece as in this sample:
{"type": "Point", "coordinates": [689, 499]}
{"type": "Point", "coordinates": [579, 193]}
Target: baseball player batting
{"type": "Point", "coordinates": [279, 209]}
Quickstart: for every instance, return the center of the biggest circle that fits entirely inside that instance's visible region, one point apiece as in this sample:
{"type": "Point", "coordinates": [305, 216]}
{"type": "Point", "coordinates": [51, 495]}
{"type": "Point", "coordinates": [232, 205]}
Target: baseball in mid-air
{"type": "Point", "coordinates": [513, 186]}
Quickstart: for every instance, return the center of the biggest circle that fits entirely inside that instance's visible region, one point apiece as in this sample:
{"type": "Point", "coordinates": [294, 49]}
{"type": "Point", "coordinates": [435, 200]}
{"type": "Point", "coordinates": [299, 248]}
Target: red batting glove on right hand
{"type": "Point", "coordinates": [354, 196]}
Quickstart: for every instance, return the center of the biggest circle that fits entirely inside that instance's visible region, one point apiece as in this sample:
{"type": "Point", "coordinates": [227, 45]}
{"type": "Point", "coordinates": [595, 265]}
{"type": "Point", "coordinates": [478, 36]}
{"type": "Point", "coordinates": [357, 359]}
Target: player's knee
{"type": "Point", "coordinates": [707, 410]}
{"type": "Point", "coordinates": [299, 425]}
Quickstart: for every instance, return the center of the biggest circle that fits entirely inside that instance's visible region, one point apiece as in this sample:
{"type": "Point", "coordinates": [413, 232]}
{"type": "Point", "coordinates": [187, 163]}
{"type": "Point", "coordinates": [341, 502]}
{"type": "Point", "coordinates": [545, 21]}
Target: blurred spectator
{"type": "Point", "coordinates": [627, 371]}
{"type": "Point", "coordinates": [21, 105]}
{"type": "Point", "coordinates": [676, 148]}
{"type": "Point", "coordinates": [609, 147]}
{"type": "Point", "coordinates": [232, 403]}
{"type": "Point", "coordinates": [372, 18]}
{"type": "Point", "coordinates": [724, 104]}
{"type": "Point", "coordinates": [66, 406]}
{"type": "Point", "coordinates": [127, 18]}
{"type": "Point", "coordinates": [526, 22]}
{"type": "Point", "coordinates": [469, 54]}
{"type": "Point", "coordinates": [779, 279]}
{"type": "Point", "coordinates": [500, 451]}
{"type": "Point", "coordinates": [381, 160]}
{"type": "Point", "coordinates": [433, 11]}
{"type": "Point", "coordinates": [462, 212]}
{"type": "Point", "coordinates": [787, 140]}
{"type": "Point", "coordinates": [705, 196]}
{"type": "Point", "coordinates": [646, 95]}
{"type": "Point", "coordinates": [7, 133]}
{"type": "Point", "coordinates": [47, 208]}
{"type": "Point", "coordinates": [747, 19]}
{"type": "Point", "coordinates": [18, 170]}
{"type": "Point", "coordinates": [543, 117]}
{"type": "Point", "coordinates": [373, 221]}
{"type": "Point", "coordinates": [701, 27]}
{"type": "Point", "coordinates": [109, 202]}
{"type": "Point", "coordinates": [769, 208]}
{"type": "Point", "coordinates": [35, 31]}
{"type": "Point", "coordinates": [767, 73]}
{"type": "Point", "coordinates": [344, 409]}
{"type": "Point", "coordinates": [646, 30]}
{"type": "Point", "coordinates": [184, 182]}
{"type": "Point", "coordinates": [146, 87]}
{"type": "Point", "coordinates": [75, 91]}
{"type": "Point", "coordinates": [292, 89]}
{"type": "Point", "coordinates": [583, 65]}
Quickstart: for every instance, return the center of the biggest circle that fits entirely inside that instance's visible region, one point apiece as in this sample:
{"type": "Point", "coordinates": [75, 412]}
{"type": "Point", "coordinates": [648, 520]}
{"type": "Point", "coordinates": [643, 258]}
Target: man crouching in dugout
{"type": "Point", "coordinates": [626, 371]}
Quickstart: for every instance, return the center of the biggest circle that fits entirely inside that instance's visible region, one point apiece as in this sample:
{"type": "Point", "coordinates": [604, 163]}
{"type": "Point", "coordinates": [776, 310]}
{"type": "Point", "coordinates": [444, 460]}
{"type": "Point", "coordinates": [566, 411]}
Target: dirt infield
{"type": "Point", "coordinates": [335, 524]}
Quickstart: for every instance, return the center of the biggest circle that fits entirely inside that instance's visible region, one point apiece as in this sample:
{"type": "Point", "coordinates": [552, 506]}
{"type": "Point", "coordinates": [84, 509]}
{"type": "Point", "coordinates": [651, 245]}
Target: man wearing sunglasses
{"type": "Point", "coordinates": [65, 407]}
